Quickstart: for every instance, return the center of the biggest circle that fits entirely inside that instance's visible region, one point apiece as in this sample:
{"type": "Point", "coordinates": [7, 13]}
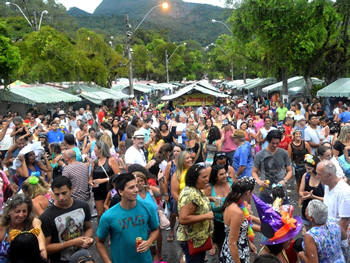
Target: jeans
{"type": "Point", "coordinates": [230, 157]}
{"type": "Point", "coordinates": [197, 258]}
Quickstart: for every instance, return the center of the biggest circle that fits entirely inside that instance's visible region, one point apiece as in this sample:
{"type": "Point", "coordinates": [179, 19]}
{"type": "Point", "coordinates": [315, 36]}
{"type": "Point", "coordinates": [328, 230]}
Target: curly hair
{"type": "Point", "coordinates": [193, 174]}
{"type": "Point", "coordinates": [11, 205]}
{"type": "Point", "coordinates": [214, 173]}
{"type": "Point", "coordinates": [158, 136]}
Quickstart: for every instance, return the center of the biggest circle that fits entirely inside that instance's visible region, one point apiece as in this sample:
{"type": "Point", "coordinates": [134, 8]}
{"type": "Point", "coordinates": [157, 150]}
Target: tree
{"type": "Point", "coordinates": [9, 56]}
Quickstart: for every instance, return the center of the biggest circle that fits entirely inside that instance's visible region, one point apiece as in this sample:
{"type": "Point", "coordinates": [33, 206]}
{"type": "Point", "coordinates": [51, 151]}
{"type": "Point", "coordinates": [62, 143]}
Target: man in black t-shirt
{"type": "Point", "coordinates": [66, 225]}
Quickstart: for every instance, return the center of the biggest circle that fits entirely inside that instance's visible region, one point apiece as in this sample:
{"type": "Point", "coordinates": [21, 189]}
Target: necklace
{"type": "Point", "coordinates": [243, 205]}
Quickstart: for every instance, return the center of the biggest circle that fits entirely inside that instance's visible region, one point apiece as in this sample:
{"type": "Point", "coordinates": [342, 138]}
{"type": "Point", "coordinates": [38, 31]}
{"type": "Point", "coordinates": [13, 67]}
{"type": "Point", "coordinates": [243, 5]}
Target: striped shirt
{"type": "Point", "coordinates": [78, 173]}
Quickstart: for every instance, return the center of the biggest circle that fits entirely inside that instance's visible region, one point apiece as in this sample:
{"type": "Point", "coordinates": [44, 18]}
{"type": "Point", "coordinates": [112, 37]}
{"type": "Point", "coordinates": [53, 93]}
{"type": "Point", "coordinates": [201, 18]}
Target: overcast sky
{"type": "Point", "coordinates": [90, 5]}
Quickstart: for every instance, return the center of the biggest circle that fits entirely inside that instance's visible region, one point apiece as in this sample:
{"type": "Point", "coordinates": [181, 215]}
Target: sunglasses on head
{"type": "Point", "coordinates": [221, 155]}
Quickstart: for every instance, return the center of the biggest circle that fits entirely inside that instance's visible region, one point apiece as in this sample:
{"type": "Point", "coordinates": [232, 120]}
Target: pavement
{"type": "Point", "coordinates": [171, 251]}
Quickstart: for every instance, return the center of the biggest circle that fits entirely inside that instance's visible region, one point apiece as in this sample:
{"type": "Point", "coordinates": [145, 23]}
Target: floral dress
{"type": "Point", "coordinates": [242, 244]}
{"type": "Point", "coordinates": [328, 241]}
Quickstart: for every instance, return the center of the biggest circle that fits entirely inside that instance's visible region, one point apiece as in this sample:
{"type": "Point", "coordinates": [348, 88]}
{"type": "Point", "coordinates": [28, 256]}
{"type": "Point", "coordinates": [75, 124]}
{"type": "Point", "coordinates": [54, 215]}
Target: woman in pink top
{"type": "Point", "coordinates": [258, 122]}
{"type": "Point", "coordinates": [228, 146]}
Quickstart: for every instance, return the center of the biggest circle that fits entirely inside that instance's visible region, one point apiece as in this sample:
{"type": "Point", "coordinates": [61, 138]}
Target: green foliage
{"type": "Point", "coordinates": [9, 57]}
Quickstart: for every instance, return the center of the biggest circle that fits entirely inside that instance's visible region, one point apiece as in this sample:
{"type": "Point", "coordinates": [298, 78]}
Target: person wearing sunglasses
{"type": "Point", "coordinates": [220, 158]}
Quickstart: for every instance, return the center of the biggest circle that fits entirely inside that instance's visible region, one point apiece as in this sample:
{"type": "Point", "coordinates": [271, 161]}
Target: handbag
{"type": "Point", "coordinates": [164, 222]}
{"type": "Point", "coordinates": [196, 250]}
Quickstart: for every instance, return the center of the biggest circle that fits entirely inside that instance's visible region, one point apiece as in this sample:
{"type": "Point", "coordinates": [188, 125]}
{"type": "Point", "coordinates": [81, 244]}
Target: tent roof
{"type": "Point", "coordinates": [195, 86]}
{"type": "Point", "coordinates": [37, 94]}
{"type": "Point", "coordinates": [238, 83]}
{"type": "Point", "coordinates": [97, 94]}
{"type": "Point", "coordinates": [292, 82]}
{"type": "Point", "coordinates": [255, 83]}
{"type": "Point", "coordinates": [207, 85]}
{"type": "Point", "coordinates": [339, 88]}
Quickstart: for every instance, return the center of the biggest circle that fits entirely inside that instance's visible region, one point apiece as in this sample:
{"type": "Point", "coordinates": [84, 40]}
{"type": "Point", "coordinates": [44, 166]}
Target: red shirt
{"type": "Point", "coordinates": [285, 143]}
{"type": "Point", "coordinates": [100, 115]}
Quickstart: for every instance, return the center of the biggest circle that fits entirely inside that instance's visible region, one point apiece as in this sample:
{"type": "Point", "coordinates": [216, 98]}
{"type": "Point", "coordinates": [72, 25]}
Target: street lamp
{"type": "Point", "coordinates": [36, 27]}
{"type": "Point", "coordinates": [223, 50]}
{"type": "Point", "coordinates": [221, 22]}
{"type": "Point", "coordinates": [9, 3]}
{"type": "Point", "coordinates": [45, 12]}
{"type": "Point", "coordinates": [167, 59]}
{"type": "Point", "coordinates": [129, 36]}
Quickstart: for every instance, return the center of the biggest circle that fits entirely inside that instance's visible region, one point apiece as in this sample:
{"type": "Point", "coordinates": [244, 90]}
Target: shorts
{"type": "Point", "coordinates": [219, 233]}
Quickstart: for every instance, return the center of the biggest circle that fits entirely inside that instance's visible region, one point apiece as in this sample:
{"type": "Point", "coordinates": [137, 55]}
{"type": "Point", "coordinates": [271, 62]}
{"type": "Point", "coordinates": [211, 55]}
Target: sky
{"type": "Point", "coordinates": [90, 5]}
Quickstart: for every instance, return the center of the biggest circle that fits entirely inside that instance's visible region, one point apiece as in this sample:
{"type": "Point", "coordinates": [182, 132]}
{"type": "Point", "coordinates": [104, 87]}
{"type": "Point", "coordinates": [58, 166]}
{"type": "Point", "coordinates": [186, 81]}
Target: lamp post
{"type": "Point", "coordinates": [223, 23]}
{"type": "Point", "coordinates": [35, 27]}
{"type": "Point", "coordinates": [167, 59]}
{"type": "Point", "coordinates": [223, 50]}
{"type": "Point", "coordinates": [129, 36]}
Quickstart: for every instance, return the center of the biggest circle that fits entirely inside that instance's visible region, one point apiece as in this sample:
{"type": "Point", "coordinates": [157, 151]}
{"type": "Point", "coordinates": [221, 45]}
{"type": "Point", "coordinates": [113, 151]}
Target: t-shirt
{"type": "Point", "coordinates": [338, 200]}
{"type": "Point", "coordinates": [272, 166]}
{"type": "Point", "coordinates": [124, 226]}
{"type": "Point", "coordinates": [7, 141]}
{"type": "Point", "coordinates": [135, 156]}
{"type": "Point", "coordinates": [78, 173]}
{"type": "Point", "coordinates": [314, 136]}
{"type": "Point", "coordinates": [55, 136]}
{"type": "Point", "coordinates": [243, 157]}
{"type": "Point", "coordinates": [63, 225]}
{"type": "Point", "coordinates": [180, 128]}
{"type": "Point", "coordinates": [281, 113]}
{"type": "Point", "coordinates": [344, 116]}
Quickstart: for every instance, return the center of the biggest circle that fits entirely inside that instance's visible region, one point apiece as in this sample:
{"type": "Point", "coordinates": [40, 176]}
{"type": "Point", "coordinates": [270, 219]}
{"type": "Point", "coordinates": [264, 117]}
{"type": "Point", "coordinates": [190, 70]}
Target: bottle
{"type": "Point", "coordinates": [263, 188]}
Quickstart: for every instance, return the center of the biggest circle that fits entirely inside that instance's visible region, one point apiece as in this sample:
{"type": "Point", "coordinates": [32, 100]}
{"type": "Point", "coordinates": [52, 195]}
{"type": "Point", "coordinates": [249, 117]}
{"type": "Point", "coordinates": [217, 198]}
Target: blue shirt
{"type": "Point", "coordinates": [344, 116]}
{"type": "Point", "coordinates": [124, 226]}
{"type": "Point", "coordinates": [243, 157]}
{"type": "Point", "coordinates": [55, 136]}
{"type": "Point", "coordinates": [149, 199]}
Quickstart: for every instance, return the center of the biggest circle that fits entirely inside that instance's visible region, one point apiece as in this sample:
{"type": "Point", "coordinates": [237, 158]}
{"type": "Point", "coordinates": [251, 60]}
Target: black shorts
{"type": "Point", "coordinates": [219, 233]}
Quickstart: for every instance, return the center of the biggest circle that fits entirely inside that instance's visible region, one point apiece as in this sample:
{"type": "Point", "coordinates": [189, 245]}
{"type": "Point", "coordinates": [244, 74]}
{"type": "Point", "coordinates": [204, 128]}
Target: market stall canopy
{"type": "Point", "coordinates": [207, 85]}
{"type": "Point", "coordinates": [143, 88]}
{"type": "Point", "coordinates": [339, 88]}
{"type": "Point", "coordinates": [36, 94]}
{"type": "Point", "coordinates": [238, 83]}
{"type": "Point", "coordinates": [194, 87]}
{"type": "Point", "coordinates": [97, 95]}
{"type": "Point", "coordinates": [292, 82]}
{"type": "Point", "coordinates": [257, 83]}
{"type": "Point", "coordinates": [163, 86]}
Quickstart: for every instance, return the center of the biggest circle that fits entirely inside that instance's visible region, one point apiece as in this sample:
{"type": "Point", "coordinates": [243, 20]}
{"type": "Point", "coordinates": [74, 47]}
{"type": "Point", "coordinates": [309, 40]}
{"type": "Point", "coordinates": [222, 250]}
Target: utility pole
{"type": "Point", "coordinates": [129, 35]}
{"type": "Point", "coordinates": [167, 66]}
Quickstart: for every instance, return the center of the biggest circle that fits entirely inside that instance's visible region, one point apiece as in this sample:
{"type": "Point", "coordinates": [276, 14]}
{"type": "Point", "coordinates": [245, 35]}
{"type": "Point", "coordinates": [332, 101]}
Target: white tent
{"type": "Point", "coordinates": [195, 86]}
{"type": "Point", "coordinates": [292, 82]}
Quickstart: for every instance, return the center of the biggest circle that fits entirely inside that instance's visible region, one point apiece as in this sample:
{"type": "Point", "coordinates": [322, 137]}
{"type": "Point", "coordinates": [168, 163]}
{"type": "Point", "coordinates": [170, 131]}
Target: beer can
{"type": "Point", "coordinates": [138, 241]}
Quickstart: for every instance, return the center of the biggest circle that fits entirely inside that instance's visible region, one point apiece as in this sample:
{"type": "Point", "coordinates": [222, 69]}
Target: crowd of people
{"type": "Point", "coordinates": [210, 177]}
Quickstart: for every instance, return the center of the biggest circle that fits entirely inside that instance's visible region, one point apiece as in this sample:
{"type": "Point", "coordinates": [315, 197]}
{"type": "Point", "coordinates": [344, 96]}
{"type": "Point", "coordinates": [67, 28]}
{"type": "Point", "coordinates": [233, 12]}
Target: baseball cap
{"type": "Point", "coordinates": [81, 256]}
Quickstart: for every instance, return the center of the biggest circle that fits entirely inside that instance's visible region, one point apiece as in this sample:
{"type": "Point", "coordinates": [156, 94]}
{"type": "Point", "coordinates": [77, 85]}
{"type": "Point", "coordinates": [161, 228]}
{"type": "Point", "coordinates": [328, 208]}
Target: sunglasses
{"type": "Point", "coordinates": [221, 155]}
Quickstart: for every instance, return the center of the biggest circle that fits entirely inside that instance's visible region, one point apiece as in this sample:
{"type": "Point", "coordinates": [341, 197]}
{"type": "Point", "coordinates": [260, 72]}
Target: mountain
{"type": "Point", "coordinates": [74, 11]}
{"type": "Point", "coordinates": [183, 21]}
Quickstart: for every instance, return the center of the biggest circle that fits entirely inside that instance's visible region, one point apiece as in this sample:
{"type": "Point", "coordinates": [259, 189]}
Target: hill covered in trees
{"type": "Point", "coordinates": [183, 20]}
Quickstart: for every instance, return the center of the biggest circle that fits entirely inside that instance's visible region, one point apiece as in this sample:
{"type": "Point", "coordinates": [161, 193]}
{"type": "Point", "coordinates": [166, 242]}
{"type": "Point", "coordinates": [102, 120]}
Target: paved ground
{"type": "Point", "coordinates": [171, 250]}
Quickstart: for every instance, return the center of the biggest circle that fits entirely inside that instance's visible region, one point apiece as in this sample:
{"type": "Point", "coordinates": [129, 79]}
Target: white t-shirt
{"type": "Point", "coordinates": [338, 200]}
{"type": "Point", "coordinates": [7, 141]}
{"type": "Point", "coordinates": [314, 136]}
{"type": "Point", "coordinates": [179, 128]}
{"type": "Point", "coordinates": [135, 156]}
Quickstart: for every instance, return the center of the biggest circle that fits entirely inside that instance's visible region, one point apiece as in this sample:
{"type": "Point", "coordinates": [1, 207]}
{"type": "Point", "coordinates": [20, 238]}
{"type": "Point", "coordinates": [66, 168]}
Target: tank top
{"type": "Point", "coordinates": [99, 173]}
{"type": "Point", "coordinates": [298, 153]}
{"type": "Point", "coordinates": [317, 191]}
{"type": "Point", "coordinates": [182, 180]}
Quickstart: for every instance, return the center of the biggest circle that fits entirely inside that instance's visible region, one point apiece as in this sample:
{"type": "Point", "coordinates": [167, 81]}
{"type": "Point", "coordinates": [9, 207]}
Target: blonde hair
{"type": "Point", "coordinates": [33, 190]}
{"type": "Point", "coordinates": [107, 139]}
{"type": "Point", "coordinates": [343, 132]}
{"type": "Point", "coordinates": [192, 134]}
{"type": "Point", "coordinates": [141, 175]}
{"type": "Point", "coordinates": [180, 164]}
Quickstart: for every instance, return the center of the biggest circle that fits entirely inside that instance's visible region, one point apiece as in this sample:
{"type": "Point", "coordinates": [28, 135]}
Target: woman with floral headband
{"type": "Point", "coordinates": [310, 185]}
{"type": "Point", "coordinates": [17, 217]}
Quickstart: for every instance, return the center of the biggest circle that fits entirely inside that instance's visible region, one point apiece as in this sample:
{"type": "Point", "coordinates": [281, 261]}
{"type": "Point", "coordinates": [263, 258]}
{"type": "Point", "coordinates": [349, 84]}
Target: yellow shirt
{"type": "Point", "coordinates": [150, 150]}
{"type": "Point", "coordinates": [182, 180]}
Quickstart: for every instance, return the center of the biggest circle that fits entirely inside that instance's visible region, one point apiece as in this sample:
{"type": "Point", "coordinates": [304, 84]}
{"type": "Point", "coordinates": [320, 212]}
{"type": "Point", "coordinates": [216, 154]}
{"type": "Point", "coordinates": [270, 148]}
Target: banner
{"type": "Point", "coordinates": [195, 100]}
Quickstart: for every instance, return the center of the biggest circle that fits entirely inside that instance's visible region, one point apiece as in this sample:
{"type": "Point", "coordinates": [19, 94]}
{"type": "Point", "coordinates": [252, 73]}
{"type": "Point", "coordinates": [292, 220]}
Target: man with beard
{"type": "Point", "coordinates": [135, 154]}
